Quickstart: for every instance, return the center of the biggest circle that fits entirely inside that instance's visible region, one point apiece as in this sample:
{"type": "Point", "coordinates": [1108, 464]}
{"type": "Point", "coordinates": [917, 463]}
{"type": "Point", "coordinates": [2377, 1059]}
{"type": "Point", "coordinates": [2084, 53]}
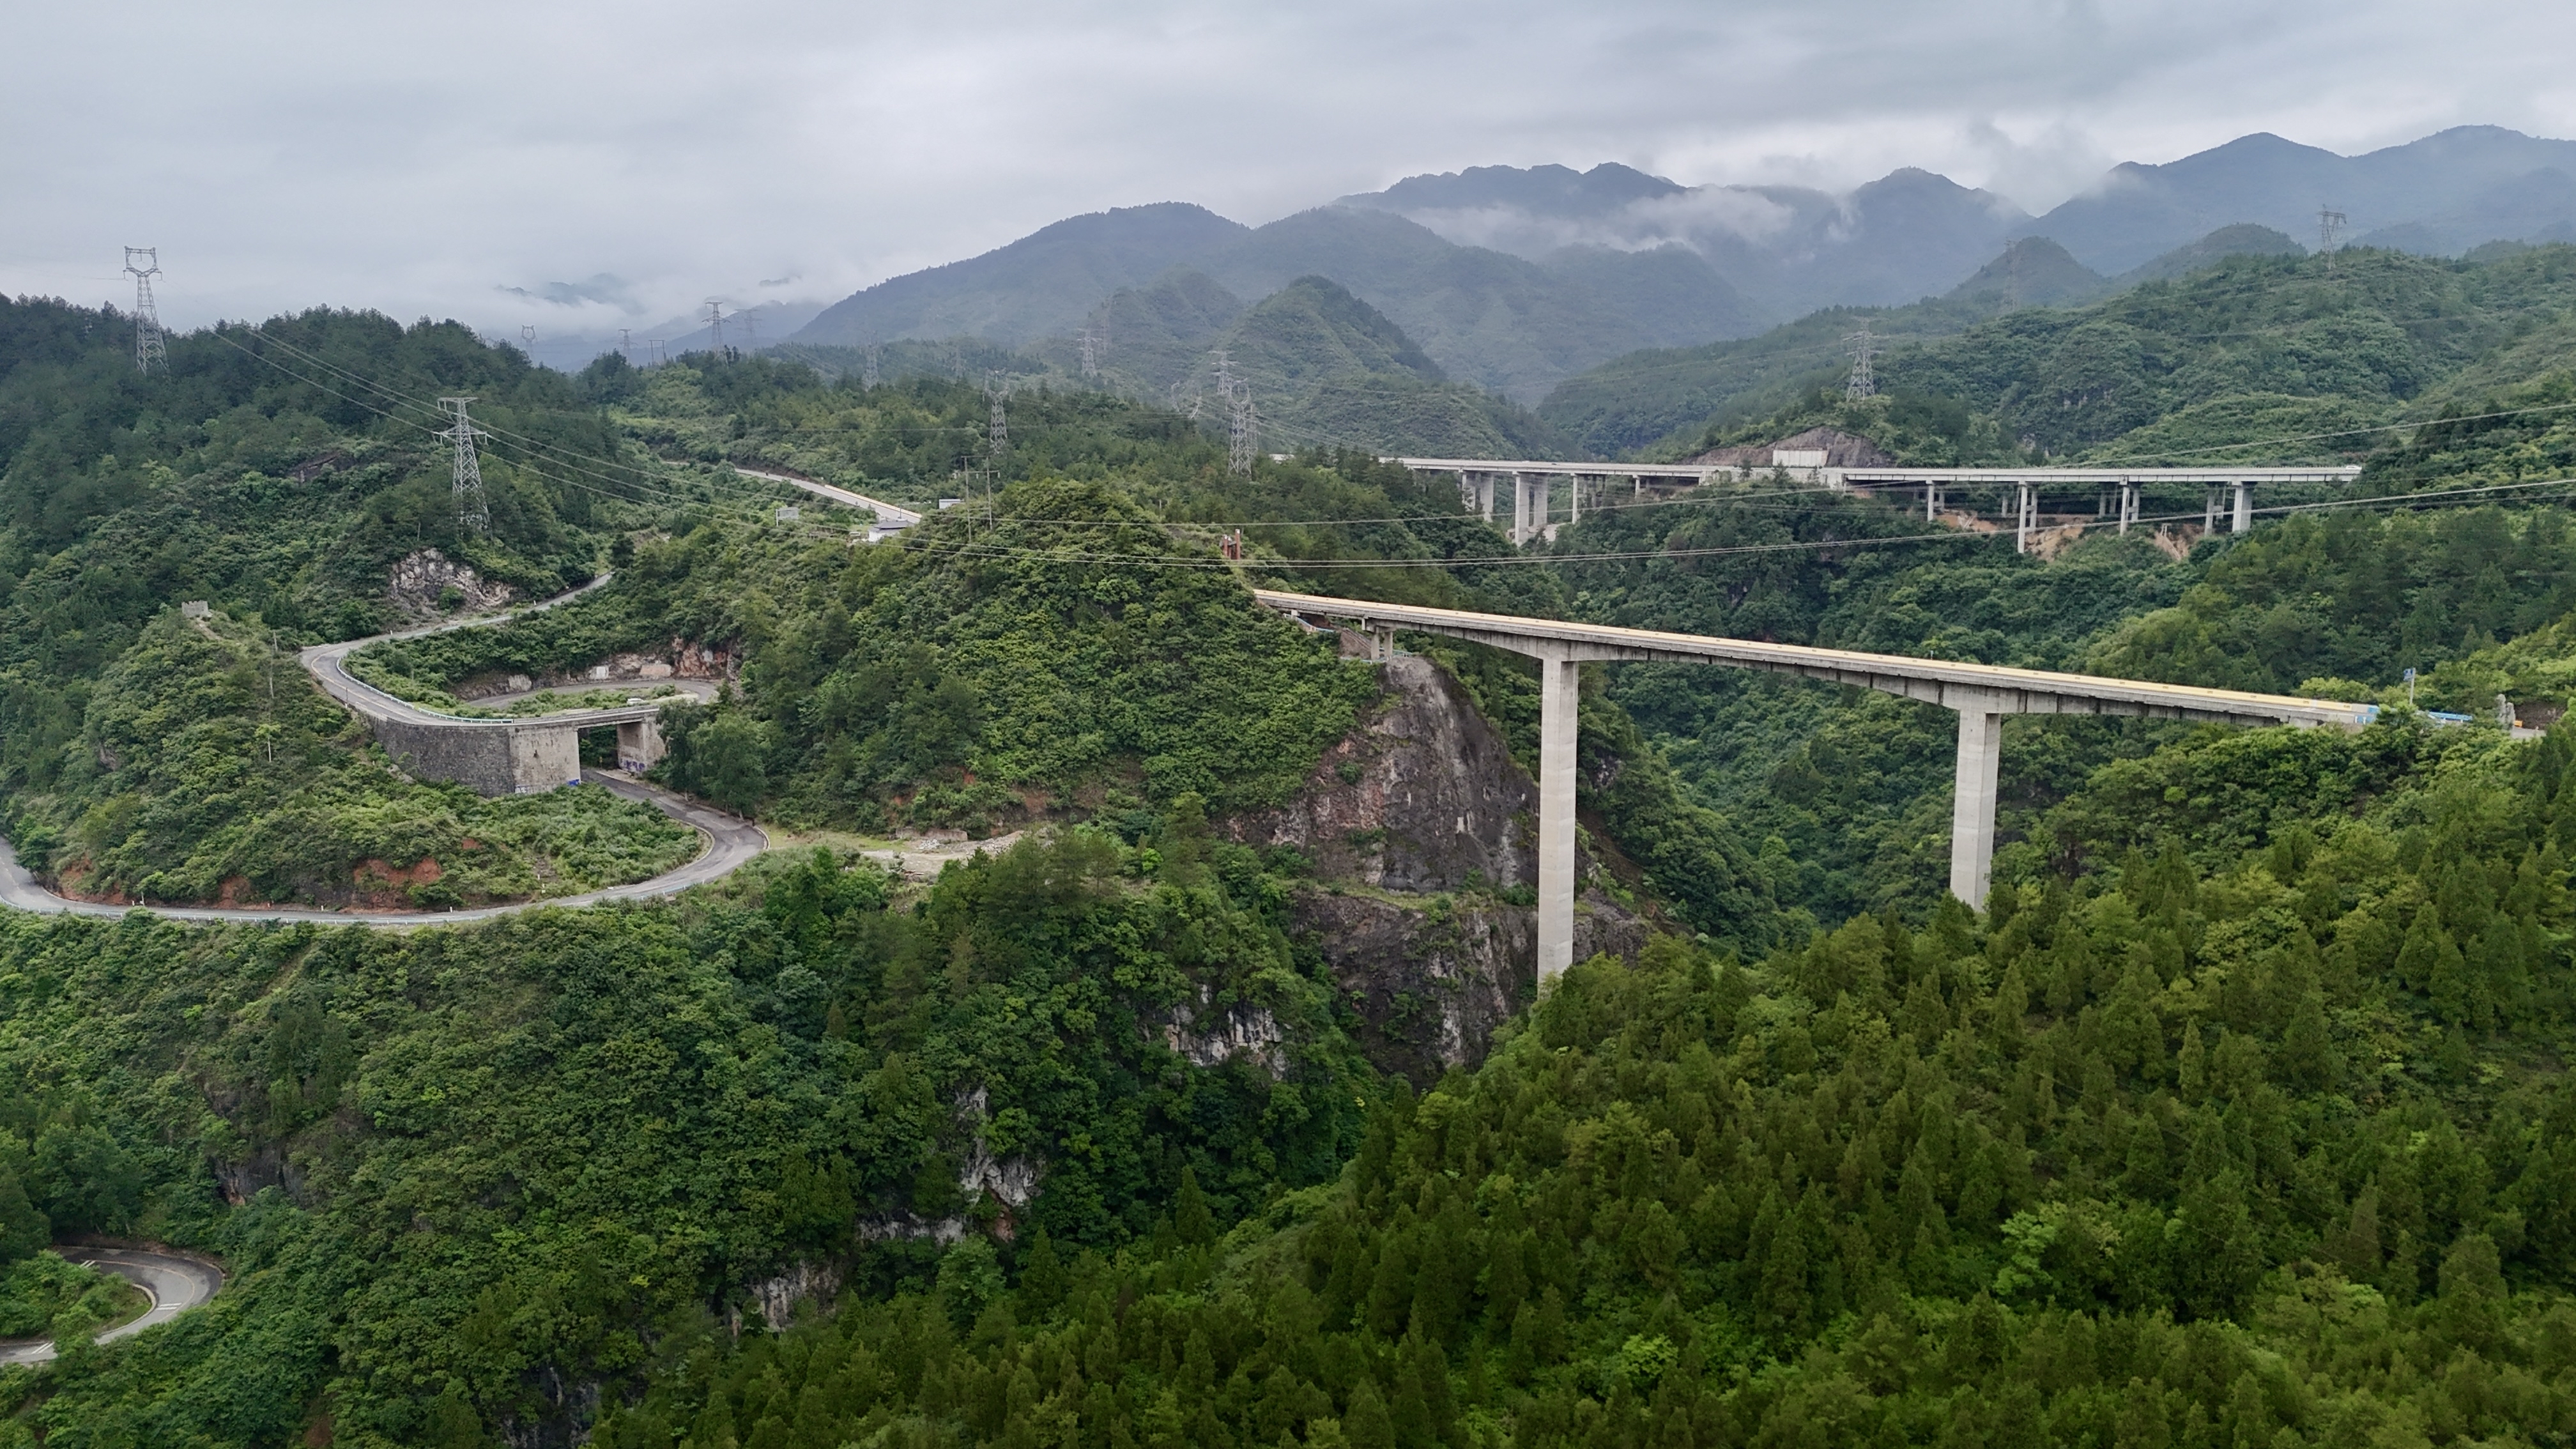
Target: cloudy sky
{"type": "Point", "coordinates": [575, 166]}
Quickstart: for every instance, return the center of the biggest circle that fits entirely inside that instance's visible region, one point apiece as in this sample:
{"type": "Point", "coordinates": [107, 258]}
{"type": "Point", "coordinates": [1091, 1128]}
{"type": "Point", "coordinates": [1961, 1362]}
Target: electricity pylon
{"type": "Point", "coordinates": [1243, 434]}
{"type": "Point", "coordinates": [149, 352]}
{"type": "Point", "coordinates": [1863, 348]}
{"type": "Point", "coordinates": [473, 512]}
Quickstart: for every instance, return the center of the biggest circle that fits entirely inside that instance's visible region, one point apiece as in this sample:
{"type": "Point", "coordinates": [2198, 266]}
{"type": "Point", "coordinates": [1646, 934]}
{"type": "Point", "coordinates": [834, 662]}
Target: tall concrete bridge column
{"type": "Point", "coordinates": [2026, 514]}
{"type": "Point", "coordinates": [1559, 678]}
{"type": "Point", "coordinates": [2244, 519]}
{"type": "Point", "coordinates": [2209, 513]}
{"type": "Point", "coordinates": [1477, 491]}
{"type": "Point", "coordinates": [1972, 817]}
{"type": "Point", "coordinates": [2128, 505]}
{"type": "Point", "coordinates": [1529, 506]}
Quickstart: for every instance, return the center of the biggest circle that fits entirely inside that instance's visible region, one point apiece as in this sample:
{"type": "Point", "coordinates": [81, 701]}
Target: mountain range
{"type": "Point", "coordinates": [1515, 279]}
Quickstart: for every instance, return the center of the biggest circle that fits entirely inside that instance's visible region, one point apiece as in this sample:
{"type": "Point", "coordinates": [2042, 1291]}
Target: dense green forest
{"type": "Point", "coordinates": [2236, 1114]}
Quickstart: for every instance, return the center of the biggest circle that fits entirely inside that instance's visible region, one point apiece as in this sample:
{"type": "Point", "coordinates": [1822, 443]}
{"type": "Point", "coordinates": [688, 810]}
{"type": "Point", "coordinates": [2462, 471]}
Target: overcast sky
{"type": "Point", "coordinates": [421, 159]}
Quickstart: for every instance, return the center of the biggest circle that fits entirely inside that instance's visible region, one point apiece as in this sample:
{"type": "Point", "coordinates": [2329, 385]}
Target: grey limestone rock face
{"type": "Point", "coordinates": [419, 585]}
{"type": "Point", "coordinates": [1422, 797]}
{"type": "Point", "coordinates": [1414, 821]}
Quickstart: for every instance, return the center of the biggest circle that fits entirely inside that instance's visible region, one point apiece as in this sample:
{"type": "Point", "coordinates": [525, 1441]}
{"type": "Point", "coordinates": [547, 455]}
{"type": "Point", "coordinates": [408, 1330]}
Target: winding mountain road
{"type": "Point", "coordinates": [174, 1284]}
{"type": "Point", "coordinates": [730, 841]}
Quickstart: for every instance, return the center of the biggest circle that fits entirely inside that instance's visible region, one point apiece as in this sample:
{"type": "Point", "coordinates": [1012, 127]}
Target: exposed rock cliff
{"type": "Point", "coordinates": [1422, 831]}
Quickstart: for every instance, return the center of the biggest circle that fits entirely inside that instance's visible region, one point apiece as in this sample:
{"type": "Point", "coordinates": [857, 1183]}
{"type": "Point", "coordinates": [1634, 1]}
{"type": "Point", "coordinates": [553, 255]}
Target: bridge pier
{"type": "Point", "coordinates": [2026, 515]}
{"type": "Point", "coordinates": [1972, 814]}
{"type": "Point", "coordinates": [1559, 682]}
{"type": "Point", "coordinates": [2243, 522]}
{"type": "Point", "coordinates": [1529, 506]}
{"type": "Point", "coordinates": [2128, 505]}
{"type": "Point", "coordinates": [1476, 490]}
{"type": "Point", "coordinates": [639, 745]}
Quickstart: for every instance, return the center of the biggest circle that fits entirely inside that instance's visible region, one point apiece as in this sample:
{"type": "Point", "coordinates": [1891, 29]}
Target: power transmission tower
{"type": "Point", "coordinates": [1863, 348]}
{"type": "Point", "coordinates": [1090, 354]}
{"type": "Point", "coordinates": [625, 344]}
{"type": "Point", "coordinates": [2330, 225]}
{"type": "Point", "coordinates": [659, 353]}
{"type": "Point", "coordinates": [1224, 373]}
{"type": "Point", "coordinates": [715, 320]}
{"type": "Point", "coordinates": [473, 513]}
{"type": "Point", "coordinates": [868, 369]}
{"type": "Point", "coordinates": [149, 352]}
{"type": "Point", "coordinates": [998, 436]}
{"type": "Point", "coordinates": [528, 339]}
{"type": "Point", "coordinates": [750, 329]}
{"type": "Point", "coordinates": [1245, 432]}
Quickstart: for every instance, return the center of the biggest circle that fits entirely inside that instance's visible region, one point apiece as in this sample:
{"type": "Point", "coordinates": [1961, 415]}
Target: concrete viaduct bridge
{"type": "Point", "coordinates": [1981, 694]}
{"type": "Point", "coordinates": [1532, 485]}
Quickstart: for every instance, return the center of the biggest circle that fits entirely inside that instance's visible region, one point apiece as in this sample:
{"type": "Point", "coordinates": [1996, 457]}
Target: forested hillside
{"type": "Point", "coordinates": [2286, 351]}
{"type": "Point", "coordinates": [2235, 1114]}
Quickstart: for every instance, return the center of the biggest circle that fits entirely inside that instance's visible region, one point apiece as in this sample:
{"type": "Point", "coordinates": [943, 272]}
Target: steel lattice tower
{"type": "Point", "coordinates": [998, 434]}
{"type": "Point", "coordinates": [473, 512]}
{"type": "Point", "coordinates": [1863, 348]}
{"type": "Point", "coordinates": [1244, 434]}
{"type": "Point", "coordinates": [149, 351]}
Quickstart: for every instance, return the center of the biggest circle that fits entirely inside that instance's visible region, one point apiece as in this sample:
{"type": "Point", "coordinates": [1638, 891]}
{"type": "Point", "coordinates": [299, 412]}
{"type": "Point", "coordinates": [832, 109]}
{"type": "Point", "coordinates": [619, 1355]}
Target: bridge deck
{"type": "Point", "coordinates": [1982, 694]}
{"type": "Point", "coordinates": [2026, 691]}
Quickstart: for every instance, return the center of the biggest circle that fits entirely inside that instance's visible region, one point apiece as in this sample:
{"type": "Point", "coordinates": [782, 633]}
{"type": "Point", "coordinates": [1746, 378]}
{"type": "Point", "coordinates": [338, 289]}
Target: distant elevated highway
{"type": "Point", "coordinates": [1981, 695]}
{"type": "Point", "coordinates": [1532, 483]}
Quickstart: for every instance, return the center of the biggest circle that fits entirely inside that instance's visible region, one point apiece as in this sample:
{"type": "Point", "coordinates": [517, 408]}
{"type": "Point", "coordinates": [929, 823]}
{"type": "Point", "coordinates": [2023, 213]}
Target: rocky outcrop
{"type": "Point", "coordinates": [1432, 978]}
{"type": "Point", "coordinates": [429, 583]}
{"type": "Point", "coordinates": [1422, 797]}
{"type": "Point", "coordinates": [683, 660]}
{"type": "Point", "coordinates": [1421, 829]}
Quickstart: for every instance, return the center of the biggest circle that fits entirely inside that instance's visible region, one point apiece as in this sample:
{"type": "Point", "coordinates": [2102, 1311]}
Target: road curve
{"type": "Point", "coordinates": [730, 840]}
{"type": "Point", "coordinates": [885, 512]}
{"type": "Point", "coordinates": [173, 1283]}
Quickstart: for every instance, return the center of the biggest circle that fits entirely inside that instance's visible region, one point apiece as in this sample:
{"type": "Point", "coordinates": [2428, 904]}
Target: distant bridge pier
{"type": "Point", "coordinates": [2243, 522]}
{"type": "Point", "coordinates": [1529, 506]}
{"type": "Point", "coordinates": [2026, 516]}
{"type": "Point", "coordinates": [2128, 505]}
{"type": "Point", "coordinates": [1476, 490]}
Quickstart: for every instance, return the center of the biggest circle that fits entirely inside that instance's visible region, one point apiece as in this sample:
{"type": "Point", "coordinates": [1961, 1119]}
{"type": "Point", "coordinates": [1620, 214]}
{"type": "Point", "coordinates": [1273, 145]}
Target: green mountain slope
{"type": "Point", "coordinates": [2308, 345]}
{"type": "Point", "coordinates": [2237, 1114]}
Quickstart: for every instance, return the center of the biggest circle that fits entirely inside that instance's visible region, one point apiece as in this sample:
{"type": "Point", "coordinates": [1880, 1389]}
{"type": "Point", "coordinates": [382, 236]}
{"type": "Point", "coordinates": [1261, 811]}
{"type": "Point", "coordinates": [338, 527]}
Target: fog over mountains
{"type": "Point", "coordinates": [1513, 279]}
